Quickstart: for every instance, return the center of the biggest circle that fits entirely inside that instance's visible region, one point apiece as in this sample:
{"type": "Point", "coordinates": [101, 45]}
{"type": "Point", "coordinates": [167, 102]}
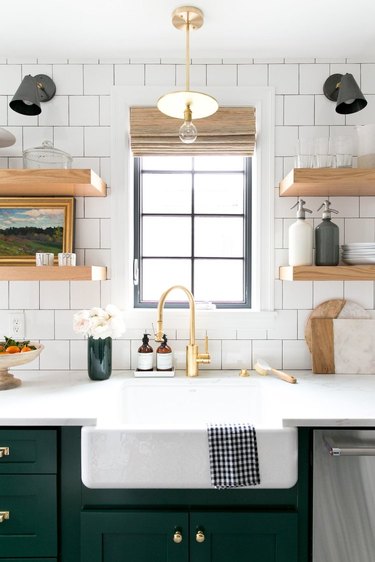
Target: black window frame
{"type": "Point", "coordinates": [247, 215]}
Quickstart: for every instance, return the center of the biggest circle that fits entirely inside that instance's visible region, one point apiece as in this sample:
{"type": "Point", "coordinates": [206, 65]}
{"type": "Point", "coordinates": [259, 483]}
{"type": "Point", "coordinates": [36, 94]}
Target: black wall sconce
{"type": "Point", "coordinates": [343, 89]}
{"type": "Point", "coordinates": [32, 91]}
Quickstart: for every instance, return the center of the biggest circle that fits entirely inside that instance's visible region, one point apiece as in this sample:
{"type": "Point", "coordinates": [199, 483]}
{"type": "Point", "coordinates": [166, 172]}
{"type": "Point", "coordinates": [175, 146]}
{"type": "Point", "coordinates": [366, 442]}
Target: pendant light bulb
{"type": "Point", "coordinates": [188, 132]}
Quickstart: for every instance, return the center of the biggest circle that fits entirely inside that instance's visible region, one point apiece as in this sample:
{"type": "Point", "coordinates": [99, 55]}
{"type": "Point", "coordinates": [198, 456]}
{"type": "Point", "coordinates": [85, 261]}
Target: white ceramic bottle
{"type": "Point", "coordinates": [301, 237]}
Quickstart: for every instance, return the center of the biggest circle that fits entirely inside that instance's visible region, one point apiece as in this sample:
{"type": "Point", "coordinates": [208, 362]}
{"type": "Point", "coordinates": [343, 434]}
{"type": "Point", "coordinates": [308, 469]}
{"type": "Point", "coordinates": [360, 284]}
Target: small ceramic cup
{"type": "Point", "coordinates": [44, 258]}
{"type": "Point", "coordinates": [66, 258]}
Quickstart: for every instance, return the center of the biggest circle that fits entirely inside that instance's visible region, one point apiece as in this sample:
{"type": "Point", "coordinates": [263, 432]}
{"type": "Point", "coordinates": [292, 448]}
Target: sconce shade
{"type": "Point", "coordinates": [345, 91]}
{"type": "Point", "coordinates": [32, 91]}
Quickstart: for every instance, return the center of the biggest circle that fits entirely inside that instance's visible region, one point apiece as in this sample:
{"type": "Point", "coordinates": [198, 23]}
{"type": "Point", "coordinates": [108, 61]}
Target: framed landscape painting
{"type": "Point", "coordinates": [34, 224]}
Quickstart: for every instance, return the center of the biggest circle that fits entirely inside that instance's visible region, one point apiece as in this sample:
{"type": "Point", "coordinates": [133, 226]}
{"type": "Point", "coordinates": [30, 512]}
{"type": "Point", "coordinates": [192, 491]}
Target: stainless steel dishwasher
{"type": "Point", "coordinates": [344, 496]}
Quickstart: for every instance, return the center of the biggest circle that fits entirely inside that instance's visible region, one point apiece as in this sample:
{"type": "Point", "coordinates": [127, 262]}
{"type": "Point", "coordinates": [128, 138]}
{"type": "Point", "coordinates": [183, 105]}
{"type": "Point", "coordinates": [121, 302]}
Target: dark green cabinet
{"type": "Point", "coordinates": [55, 518]}
{"type": "Point", "coordinates": [28, 495]}
{"type": "Point", "coordinates": [131, 536]}
{"type": "Point", "coordinates": [243, 537]}
{"type": "Point", "coordinates": [144, 536]}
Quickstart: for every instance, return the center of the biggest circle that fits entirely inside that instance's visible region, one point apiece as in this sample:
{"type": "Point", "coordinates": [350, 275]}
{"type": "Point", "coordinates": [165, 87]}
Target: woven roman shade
{"type": "Point", "coordinates": [231, 130]}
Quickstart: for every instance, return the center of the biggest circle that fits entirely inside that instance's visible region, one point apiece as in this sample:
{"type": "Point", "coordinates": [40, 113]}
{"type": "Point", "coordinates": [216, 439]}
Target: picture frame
{"type": "Point", "coordinates": [34, 224]}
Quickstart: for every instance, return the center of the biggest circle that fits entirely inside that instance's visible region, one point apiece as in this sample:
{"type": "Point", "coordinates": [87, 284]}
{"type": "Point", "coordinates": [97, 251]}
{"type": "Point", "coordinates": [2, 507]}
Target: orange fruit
{"type": "Point", "coordinates": [13, 349]}
{"type": "Point", "coordinates": [25, 348]}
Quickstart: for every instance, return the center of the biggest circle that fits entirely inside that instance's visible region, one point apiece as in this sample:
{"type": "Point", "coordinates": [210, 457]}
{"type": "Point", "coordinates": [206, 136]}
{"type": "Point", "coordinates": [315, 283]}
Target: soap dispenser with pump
{"type": "Point", "coordinates": [327, 238]}
{"type": "Point", "coordinates": [301, 237]}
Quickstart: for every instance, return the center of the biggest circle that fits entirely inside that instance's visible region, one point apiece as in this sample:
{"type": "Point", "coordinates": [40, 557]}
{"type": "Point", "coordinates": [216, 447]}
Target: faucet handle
{"type": "Point", "coordinates": [204, 357]}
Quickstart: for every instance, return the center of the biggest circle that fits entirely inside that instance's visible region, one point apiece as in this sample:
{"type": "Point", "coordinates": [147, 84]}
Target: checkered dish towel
{"type": "Point", "coordinates": [233, 455]}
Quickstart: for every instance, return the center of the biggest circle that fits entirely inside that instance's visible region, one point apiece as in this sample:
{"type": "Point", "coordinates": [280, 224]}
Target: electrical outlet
{"type": "Point", "coordinates": [16, 325]}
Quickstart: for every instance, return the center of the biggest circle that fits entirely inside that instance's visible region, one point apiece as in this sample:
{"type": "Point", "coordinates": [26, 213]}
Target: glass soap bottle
{"type": "Point", "coordinates": [301, 237]}
{"type": "Point", "coordinates": [145, 355]}
{"type": "Point", "coordinates": [327, 238]}
{"type": "Point", "coordinates": [164, 361]}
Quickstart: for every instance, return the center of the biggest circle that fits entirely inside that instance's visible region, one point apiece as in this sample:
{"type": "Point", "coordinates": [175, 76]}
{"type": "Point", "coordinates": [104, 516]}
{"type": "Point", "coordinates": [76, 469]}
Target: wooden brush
{"type": "Point", "coordinates": [263, 368]}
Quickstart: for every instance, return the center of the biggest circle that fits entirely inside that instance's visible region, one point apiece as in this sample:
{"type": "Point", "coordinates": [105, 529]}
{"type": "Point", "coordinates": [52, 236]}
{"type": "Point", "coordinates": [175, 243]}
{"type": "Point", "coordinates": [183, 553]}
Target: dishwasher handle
{"type": "Point", "coordinates": [338, 451]}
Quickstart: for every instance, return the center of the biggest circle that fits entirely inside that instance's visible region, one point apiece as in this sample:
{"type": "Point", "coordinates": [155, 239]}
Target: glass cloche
{"type": "Point", "coordinates": [46, 156]}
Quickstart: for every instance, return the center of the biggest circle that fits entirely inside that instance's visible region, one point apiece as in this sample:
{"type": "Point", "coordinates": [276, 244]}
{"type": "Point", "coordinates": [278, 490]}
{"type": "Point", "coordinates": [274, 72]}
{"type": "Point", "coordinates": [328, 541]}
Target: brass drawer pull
{"type": "Point", "coordinates": [177, 537]}
{"type": "Point", "coordinates": [4, 452]}
{"type": "Point", "coordinates": [199, 537]}
{"type": "Point", "coordinates": [3, 516]}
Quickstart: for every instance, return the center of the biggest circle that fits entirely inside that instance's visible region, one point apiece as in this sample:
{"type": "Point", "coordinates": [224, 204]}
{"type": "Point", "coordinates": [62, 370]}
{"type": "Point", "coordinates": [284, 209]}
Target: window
{"type": "Point", "coordinates": [122, 209]}
{"type": "Point", "coordinates": [192, 226]}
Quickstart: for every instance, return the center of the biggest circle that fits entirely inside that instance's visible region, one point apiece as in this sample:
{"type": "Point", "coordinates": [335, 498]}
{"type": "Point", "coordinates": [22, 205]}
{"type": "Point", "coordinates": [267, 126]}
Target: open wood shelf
{"type": "Point", "coordinates": [52, 273]}
{"type": "Point", "coordinates": [328, 273]}
{"type": "Point", "coordinates": [323, 182]}
{"type": "Point", "coordinates": [48, 183]}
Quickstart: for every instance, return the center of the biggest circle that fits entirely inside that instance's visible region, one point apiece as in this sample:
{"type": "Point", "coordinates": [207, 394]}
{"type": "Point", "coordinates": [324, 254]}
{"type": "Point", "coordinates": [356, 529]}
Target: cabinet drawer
{"type": "Point", "coordinates": [30, 451]}
{"type": "Point", "coordinates": [32, 524]}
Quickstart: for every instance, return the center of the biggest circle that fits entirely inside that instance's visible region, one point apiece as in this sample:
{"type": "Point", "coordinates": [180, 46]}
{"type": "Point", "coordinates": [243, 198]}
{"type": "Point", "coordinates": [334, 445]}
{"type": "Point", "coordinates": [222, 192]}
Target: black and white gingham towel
{"type": "Point", "coordinates": [233, 455]}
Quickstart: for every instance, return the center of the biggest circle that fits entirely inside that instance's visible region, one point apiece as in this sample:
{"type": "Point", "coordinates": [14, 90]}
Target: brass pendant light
{"type": "Point", "coordinates": [187, 105]}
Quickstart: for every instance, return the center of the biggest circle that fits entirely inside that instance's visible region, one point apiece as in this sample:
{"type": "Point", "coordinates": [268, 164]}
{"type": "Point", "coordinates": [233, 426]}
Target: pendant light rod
{"type": "Point", "coordinates": [187, 49]}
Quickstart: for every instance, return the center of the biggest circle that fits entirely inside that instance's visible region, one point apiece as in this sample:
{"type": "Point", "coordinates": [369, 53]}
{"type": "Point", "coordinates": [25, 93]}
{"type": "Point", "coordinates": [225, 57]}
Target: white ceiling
{"type": "Point", "coordinates": [139, 28]}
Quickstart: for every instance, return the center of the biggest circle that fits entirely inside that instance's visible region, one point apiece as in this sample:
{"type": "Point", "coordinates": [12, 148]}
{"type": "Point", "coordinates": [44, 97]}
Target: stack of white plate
{"type": "Point", "coordinates": [358, 253]}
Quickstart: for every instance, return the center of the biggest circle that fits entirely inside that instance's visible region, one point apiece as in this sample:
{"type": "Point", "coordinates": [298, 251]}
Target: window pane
{"type": "Point", "coordinates": [167, 162]}
{"type": "Point", "coordinates": [218, 237]}
{"type": "Point", "coordinates": [223, 163]}
{"type": "Point", "coordinates": [166, 236]}
{"type": "Point", "coordinates": [219, 280]}
{"type": "Point", "coordinates": [159, 275]}
{"type": "Point", "coordinates": [219, 193]}
{"type": "Point", "coordinates": [166, 193]}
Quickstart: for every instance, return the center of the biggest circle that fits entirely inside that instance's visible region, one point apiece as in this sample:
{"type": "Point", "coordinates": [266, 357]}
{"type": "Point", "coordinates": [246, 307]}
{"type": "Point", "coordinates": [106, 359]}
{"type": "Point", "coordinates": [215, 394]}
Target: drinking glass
{"type": "Point", "coordinates": [305, 153]}
{"type": "Point", "coordinates": [322, 153]}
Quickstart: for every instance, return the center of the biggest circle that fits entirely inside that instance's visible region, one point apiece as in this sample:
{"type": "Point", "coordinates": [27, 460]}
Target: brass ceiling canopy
{"type": "Point", "coordinates": [187, 104]}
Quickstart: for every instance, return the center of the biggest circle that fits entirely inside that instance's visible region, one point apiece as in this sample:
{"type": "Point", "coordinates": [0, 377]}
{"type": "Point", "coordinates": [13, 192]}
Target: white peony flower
{"type": "Point", "coordinates": [99, 323]}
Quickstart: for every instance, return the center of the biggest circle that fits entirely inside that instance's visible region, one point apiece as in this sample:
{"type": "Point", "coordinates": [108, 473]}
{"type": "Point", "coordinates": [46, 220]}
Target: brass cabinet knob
{"type": "Point", "coordinates": [4, 452]}
{"type": "Point", "coordinates": [177, 537]}
{"type": "Point", "coordinates": [199, 537]}
{"type": "Point", "coordinates": [3, 516]}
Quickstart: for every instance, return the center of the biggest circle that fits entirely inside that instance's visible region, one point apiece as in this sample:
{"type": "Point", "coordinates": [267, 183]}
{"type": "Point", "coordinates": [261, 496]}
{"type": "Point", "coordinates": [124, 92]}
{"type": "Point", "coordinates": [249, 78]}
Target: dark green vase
{"type": "Point", "coordinates": [99, 358]}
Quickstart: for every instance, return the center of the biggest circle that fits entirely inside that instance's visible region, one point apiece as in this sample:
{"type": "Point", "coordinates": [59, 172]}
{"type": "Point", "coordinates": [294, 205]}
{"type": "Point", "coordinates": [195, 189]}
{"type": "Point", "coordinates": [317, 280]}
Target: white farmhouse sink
{"type": "Point", "coordinates": [155, 435]}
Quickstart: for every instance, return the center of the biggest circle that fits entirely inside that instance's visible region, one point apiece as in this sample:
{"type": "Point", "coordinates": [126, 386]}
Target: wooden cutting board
{"type": "Point", "coordinates": [343, 346]}
{"type": "Point", "coordinates": [334, 308]}
{"type": "Point", "coordinates": [322, 345]}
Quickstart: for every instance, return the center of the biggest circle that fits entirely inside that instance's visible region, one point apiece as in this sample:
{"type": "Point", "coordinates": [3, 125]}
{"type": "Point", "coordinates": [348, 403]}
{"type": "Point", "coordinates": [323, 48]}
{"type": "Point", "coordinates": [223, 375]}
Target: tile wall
{"type": "Point", "coordinates": [78, 120]}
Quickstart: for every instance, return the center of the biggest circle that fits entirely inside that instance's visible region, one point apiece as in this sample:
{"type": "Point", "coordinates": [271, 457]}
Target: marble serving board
{"type": "Point", "coordinates": [343, 346]}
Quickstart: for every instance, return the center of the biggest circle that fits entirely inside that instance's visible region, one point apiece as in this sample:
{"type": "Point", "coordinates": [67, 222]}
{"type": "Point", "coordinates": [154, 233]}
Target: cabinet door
{"type": "Point", "coordinates": [244, 537]}
{"type": "Point", "coordinates": [133, 536]}
{"type": "Point", "coordinates": [31, 528]}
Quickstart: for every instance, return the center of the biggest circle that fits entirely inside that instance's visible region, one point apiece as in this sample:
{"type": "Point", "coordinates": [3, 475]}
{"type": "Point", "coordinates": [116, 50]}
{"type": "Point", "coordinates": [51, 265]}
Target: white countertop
{"type": "Point", "coordinates": [69, 398]}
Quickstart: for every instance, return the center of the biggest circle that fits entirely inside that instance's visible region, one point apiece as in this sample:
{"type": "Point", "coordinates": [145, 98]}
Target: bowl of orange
{"type": "Point", "coordinates": [12, 354]}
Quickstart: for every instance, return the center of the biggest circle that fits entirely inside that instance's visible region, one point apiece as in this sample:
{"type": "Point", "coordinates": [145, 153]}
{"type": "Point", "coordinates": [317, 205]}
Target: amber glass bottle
{"type": "Point", "coordinates": [164, 360]}
{"type": "Point", "coordinates": [145, 355]}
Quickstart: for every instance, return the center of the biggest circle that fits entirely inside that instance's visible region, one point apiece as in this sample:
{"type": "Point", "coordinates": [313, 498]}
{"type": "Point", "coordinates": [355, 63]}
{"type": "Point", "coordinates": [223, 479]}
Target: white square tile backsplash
{"type": "Point", "coordinates": [77, 120]}
{"type": "Point", "coordinates": [84, 110]}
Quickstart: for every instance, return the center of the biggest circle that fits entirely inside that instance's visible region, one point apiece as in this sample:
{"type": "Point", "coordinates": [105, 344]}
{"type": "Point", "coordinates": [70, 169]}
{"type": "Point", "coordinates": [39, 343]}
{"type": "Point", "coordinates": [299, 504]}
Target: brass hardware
{"type": "Point", "coordinates": [3, 516]}
{"type": "Point", "coordinates": [4, 452]}
{"type": "Point", "coordinates": [193, 357]}
{"type": "Point", "coordinates": [177, 537]}
{"type": "Point", "coordinates": [187, 15]}
{"type": "Point", "coordinates": [244, 373]}
{"type": "Point", "coordinates": [199, 537]}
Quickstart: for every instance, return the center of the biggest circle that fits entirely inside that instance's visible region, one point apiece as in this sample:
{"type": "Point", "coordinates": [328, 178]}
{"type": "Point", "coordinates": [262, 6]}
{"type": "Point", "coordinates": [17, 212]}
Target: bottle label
{"type": "Point", "coordinates": [144, 362]}
{"type": "Point", "coordinates": [164, 361]}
